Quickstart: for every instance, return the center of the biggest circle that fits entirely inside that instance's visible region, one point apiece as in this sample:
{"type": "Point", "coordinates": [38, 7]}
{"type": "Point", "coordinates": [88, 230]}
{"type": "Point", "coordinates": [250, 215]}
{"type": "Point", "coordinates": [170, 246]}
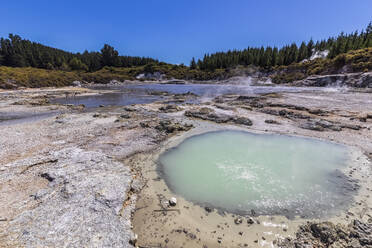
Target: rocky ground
{"type": "Point", "coordinates": [326, 234]}
{"type": "Point", "coordinates": [74, 177]}
{"type": "Point", "coordinates": [357, 80]}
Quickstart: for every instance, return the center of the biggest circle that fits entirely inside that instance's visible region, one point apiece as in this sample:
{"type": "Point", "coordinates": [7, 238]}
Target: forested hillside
{"type": "Point", "coordinates": [18, 52]}
{"type": "Point", "coordinates": [267, 57]}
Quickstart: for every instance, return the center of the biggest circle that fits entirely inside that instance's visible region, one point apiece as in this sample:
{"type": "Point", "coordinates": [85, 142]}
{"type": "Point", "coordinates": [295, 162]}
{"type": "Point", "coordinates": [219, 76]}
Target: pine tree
{"type": "Point", "coordinates": [274, 58]}
{"type": "Point", "coordinates": [193, 64]}
{"type": "Point", "coordinates": [109, 56]}
{"type": "Point", "coordinates": [303, 52]}
{"type": "Point", "coordinates": [310, 47]}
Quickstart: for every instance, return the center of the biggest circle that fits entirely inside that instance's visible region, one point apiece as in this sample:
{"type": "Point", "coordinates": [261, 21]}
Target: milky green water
{"type": "Point", "coordinates": [271, 174]}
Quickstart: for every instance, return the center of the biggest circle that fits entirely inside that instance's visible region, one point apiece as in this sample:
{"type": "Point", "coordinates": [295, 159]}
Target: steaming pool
{"type": "Point", "coordinates": [238, 171]}
{"type": "Point", "coordinates": [143, 93]}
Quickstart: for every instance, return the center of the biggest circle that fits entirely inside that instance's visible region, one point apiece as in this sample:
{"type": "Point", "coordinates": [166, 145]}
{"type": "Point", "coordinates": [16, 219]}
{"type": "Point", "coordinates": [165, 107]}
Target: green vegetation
{"type": "Point", "coordinates": [33, 77]}
{"type": "Point", "coordinates": [12, 77]}
{"type": "Point", "coordinates": [107, 74]}
{"type": "Point", "coordinates": [272, 56]}
{"type": "Point", "coordinates": [352, 61]}
{"type": "Point", "coordinates": [184, 72]}
{"type": "Point", "coordinates": [29, 64]}
{"type": "Point", "coordinates": [17, 52]}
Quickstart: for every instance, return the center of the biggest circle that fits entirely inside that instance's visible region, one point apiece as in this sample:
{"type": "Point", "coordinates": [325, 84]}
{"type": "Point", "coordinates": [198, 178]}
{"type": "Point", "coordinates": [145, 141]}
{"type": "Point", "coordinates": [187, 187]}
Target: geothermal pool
{"type": "Point", "coordinates": [143, 93]}
{"type": "Point", "coordinates": [238, 172]}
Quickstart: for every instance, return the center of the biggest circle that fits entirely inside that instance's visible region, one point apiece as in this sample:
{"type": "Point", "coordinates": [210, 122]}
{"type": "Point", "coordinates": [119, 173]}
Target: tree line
{"type": "Point", "coordinates": [18, 52]}
{"type": "Point", "coordinates": [267, 57]}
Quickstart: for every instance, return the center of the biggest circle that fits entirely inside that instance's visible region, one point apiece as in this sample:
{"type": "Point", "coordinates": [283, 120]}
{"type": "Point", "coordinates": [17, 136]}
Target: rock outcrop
{"type": "Point", "coordinates": [170, 108]}
{"type": "Point", "coordinates": [171, 127]}
{"type": "Point", "coordinates": [327, 234]}
{"type": "Point", "coordinates": [210, 115]}
{"type": "Point", "coordinates": [324, 125]}
{"type": "Point", "coordinates": [357, 80]}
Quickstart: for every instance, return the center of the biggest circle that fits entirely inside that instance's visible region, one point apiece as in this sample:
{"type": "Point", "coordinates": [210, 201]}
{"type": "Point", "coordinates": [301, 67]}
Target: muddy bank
{"type": "Point", "coordinates": [189, 225]}
{"type": "Point", "coordinates": [89, 178]}
{"type": "Point", "coordinates": [193, 225]}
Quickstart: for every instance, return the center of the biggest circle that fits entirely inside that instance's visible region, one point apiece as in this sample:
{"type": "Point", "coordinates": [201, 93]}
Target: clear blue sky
{"type": "Point", "coordinates": [177, 30]}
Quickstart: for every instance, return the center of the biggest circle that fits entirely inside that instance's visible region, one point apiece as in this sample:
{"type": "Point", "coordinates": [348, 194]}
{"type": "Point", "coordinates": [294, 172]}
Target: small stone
{"type": "Point", "coordinates": [173, 201]}
{"type": "Point", "coordinates": [144, 124]}
{"type": "Point", "coordinates": [208, 209]}
{"type": "Point", "coordinates": [363, 119]}
{"type": "Point", "coordinates": [243, 121]}
{"type": "Point", "coordinates": [271, 121]}
{"type": "Point", "coordinates": [125, 116]}
{"type": "Point", "coordinates": [250, 221]}
{"type": "Point", "coordinates": [238, 221]}
{"type": "Point", "coordinates": [47, 177]}
{"type": "Point", "coordinates": [133, 240]}
{"type": "Point", "coordinates": [129, 109]}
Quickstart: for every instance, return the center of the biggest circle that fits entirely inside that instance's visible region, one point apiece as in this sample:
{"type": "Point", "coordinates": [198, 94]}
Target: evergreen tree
{"type": "Point", "coordinates": [310, 47]}
{"type": "Point", "coordinates": [193, 64]}
{"type": "Point", "coordinates": [303, 52]}
{"type": "Point", "coordinates": [266, 57]}
{"type": "Point", "coordinates": [274, 58]}
{"type": "Point", "coordinates": [110, 57]}
{"type": "Point", "coordinates": [17, 52]}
